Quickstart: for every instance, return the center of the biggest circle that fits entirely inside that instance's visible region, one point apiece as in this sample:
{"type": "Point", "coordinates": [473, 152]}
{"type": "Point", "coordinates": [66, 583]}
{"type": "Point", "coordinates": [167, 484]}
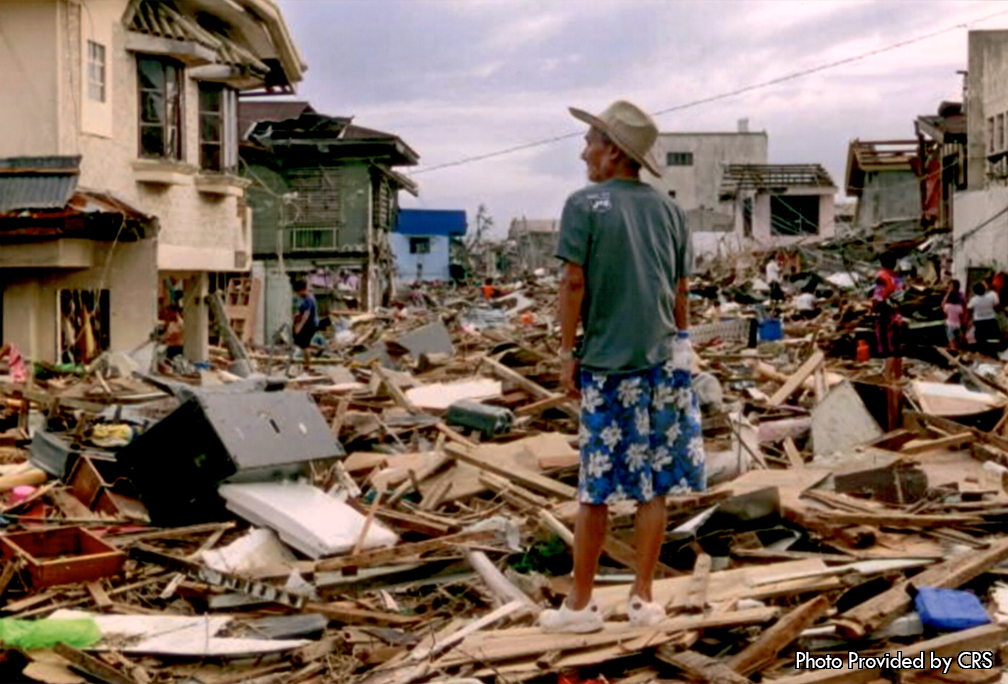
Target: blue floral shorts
{"type": "Point", "coordinates": [641, 436]}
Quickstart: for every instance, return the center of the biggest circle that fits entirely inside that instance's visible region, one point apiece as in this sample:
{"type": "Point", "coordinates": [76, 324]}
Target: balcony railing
{"type": "Point", "coordinates": [311, 239]}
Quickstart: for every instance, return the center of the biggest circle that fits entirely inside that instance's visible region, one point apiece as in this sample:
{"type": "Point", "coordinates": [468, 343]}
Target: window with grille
{"type": "Point", "coordinates": [96, 71]}
{"type": "Point", "coordinates": [218, 126]}
{"type": "Point", "coordinates": [679, 159]}
{"type": "Point", "coordinates": [160, 112]}
{"type": "Point", "coordinates": [794, 214]}
{"type": "Point", "coordinates": [419, 245]}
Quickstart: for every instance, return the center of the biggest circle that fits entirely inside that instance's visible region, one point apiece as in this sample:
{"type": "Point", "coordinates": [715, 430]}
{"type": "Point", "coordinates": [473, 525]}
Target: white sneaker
{"type": "Point", "coordinates": [563, 619]}
{"type": "Point", "coordinates": [645, 613]}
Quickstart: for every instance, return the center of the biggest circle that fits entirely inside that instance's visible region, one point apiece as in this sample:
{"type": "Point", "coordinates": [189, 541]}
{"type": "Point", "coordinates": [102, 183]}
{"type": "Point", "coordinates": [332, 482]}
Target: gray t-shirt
{"type": "Point", "coordinates": [634, 246]}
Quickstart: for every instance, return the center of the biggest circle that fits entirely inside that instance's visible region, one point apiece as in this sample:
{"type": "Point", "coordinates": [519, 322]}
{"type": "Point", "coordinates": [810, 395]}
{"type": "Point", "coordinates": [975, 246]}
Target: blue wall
{"type": "Point", "coordinates": [435, 264]}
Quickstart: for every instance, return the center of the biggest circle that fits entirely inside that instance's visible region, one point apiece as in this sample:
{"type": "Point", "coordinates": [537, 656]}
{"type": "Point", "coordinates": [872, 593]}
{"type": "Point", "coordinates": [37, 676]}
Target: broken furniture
{"type": "Point", "coordinates": [177, 464]}
{"type": "Point", "coordinates": [64, 555]}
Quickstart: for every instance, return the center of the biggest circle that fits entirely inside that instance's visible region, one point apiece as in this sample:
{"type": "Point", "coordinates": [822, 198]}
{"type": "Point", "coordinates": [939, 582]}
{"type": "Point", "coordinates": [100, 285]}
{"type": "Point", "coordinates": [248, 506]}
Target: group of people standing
{"type": "Point", "coordinates": [981, 320]}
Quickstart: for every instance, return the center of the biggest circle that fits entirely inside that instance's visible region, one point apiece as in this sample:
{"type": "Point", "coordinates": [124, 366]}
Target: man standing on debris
{"type": "Point", "coordinates": [306, 323]}
{"type": "Point", "coordinates": [627, 254]}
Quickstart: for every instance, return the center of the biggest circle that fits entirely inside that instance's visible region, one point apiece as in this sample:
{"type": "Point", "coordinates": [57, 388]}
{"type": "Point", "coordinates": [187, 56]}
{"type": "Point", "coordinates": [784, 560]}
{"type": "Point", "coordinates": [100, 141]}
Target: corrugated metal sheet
{"type": "Point", "coordinates": [37, 182]}
{"type": "Point", "coordinates": [431, 222]}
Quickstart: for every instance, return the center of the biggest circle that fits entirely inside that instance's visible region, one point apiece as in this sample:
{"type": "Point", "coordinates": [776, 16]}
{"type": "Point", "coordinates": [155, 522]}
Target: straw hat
{"type": "Point", "coordinates": [631, 128]}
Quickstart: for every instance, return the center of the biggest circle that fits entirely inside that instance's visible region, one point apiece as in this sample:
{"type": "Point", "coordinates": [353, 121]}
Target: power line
{"type": "Point", "coordinates": [720, 96]}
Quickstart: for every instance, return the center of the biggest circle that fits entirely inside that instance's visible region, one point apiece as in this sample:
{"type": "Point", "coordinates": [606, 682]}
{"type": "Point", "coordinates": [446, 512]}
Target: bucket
{"type": "Point", "coordinates": [770, 330]}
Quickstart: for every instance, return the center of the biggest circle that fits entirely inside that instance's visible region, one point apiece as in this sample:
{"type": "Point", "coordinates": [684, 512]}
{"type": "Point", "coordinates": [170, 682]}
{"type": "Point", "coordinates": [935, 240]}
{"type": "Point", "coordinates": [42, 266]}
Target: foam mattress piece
{"type": "Point", "coordinates": [304, 517]}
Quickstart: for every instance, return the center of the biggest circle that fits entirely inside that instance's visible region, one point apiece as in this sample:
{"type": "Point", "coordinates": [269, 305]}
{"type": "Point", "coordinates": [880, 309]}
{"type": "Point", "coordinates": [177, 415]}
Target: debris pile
{"type": "Point", "coordinates": [403, 512]}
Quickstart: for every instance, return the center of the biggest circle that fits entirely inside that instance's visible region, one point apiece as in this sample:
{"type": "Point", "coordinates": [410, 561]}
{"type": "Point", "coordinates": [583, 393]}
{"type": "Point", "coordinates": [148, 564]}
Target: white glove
{"type": "Point", "coordinates": [682, 352]}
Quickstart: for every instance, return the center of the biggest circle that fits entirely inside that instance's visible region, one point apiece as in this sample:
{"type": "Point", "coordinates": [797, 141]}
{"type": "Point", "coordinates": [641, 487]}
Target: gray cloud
{"type": "Point", "coordinates": [463, 78]}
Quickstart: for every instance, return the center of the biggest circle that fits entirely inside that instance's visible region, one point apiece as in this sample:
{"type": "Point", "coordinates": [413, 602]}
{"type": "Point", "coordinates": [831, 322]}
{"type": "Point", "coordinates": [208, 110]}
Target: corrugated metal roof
{"type": "Point", "coordinates": [37, 182]}
{"type": "Point", "coordinates": [431, 222]}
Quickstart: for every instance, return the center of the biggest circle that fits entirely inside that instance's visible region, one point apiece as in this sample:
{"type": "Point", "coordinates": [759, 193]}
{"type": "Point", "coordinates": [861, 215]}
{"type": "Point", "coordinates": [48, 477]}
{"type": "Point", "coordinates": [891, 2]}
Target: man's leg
{"type": "Point", "coordinates": [589, 536]}
{"type": "Point", "coordinates": [649, 533]}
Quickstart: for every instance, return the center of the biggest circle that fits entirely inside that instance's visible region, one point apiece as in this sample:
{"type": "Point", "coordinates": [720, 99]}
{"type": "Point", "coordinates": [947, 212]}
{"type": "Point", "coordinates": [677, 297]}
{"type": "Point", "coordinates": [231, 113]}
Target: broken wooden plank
{"type": "Point", "coordinates": [352, 615]}
{"type": "Point", "coordinates": [538, 407]}
{"type": "Point", "coordinates": [772, 641]}
{"type": "Point", "coordinates": [700, 666]}
{"type": "Point", "coordinates": [694, 600]}
{"type": "Point", "coordinates": [393, 389]}
{"type": "Point", "coordinates": [98, 594]}
{"type": "Point", "coordinates": [502, 588]}
{"type": "Point", "coordinates": [797, 378]}
{"type": "Point", "coordinates": [879, 610]}
{"type": "Point", "coordinates": [984, 638]}
{"type": "Point", "coordinates": [92, 666]}
{"type": "Point", "coordinates": [533, 388]}
{"type": "Point", "coordinates": [951, 442]}
{"type": "Point", "coordinates": [794, 456]}
{"type": "Point", "coordinates": [522, 476]}
{"type": "Point", "coordinates": [405, 551]}
{"type": "Point", "coordinates": [10, 569]}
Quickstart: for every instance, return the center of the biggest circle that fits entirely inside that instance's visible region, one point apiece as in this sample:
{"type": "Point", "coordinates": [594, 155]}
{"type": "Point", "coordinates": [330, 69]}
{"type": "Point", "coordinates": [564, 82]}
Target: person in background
{"type": "Point", "coordinates": [773, 278]}
{"type": "Point", "coordinates": [488, 289]}
{"type": "Point", "coordinates": [805, 303]}
{"type": "Point", "coordinates": [982, 309]}
{"type": "Point", "coordinates": [888, 321]}
{"type": "Point", "coordinates": [18, 369]}
{"type": "Point", "coordinates": [954, 308]}
{"type": "Point", "coordinates": [306, 323]}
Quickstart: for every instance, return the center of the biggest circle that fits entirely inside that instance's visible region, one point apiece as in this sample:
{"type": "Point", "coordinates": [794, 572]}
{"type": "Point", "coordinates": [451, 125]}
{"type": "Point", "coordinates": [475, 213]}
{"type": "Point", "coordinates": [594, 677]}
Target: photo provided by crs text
{"type": "Point", "coordinates": [921, 660]}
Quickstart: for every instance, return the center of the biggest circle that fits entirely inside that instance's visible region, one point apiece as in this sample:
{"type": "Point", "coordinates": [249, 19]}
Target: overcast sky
{"type": "Point", "coordinates": [457, 79]}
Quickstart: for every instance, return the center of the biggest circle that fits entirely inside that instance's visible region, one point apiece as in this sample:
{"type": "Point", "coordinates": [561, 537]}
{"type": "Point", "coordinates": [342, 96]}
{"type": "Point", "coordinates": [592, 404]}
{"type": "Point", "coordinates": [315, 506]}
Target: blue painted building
{"type": "Point", "coordinates": [421, 243]}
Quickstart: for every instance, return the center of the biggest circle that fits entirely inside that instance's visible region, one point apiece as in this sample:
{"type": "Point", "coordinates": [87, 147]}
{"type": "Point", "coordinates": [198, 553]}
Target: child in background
{"type": "Point", "coordinates": [953, 306]}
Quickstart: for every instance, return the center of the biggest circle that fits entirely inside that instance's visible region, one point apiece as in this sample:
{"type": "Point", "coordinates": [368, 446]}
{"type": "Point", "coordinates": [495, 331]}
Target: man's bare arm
{"type": "Point", "coordinates": [681, 310]}
{"type": "Point", "coordinates": [572, 291]}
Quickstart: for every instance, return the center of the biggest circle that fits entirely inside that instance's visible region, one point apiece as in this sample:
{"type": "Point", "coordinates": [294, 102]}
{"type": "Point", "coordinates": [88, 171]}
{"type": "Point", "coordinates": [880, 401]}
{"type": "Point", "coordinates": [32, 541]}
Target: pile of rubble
{"type": "Point", "coordinates": [404, 512]}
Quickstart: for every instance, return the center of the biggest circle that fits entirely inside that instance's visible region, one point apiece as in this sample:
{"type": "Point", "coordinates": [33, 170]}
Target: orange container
{"type": "Point", "coordinates": [863, 353]}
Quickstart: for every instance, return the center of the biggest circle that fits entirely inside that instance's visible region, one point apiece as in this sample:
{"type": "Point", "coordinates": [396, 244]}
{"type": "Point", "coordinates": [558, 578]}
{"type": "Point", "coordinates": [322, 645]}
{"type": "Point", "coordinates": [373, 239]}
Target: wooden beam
{"type": "Point", "coordinates": [772, 641]}
{"type": "Point", "coordinates": [404, 551]}
{"type": "Point", "coordinates": [522, 476]}
{"type": "Point", "coordinates": [797, 378]}
{"type": "Point", "coordinates": [700, 666]}
{"type": "Point", "coordinates": [985, 638]}
{"type": "Point", "coordinates": [542, 405]}
{"type": "Point", "coordinates": [794, 456]}
{"type": "Point", "coordinates": [950, 442]}
{"type": "Point", "coordinates": [533, 388]}
{"type": "Point", "coordinates": [393, 389]}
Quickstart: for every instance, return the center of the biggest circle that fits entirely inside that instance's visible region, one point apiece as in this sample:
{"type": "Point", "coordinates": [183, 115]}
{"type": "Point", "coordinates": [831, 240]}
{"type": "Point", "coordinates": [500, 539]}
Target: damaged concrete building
{"type": "Point", "coordinates": [692, 166]}
{"type": "Point", "coordinates": [979, 211]}
{"type": "Point", "coordinates": [325, 198]}
{"type": "Point", "coordinates": [883, 176]}
{"type": "Point", "coordinates": [120, 171]}
{"type": "Point", "coordinates": [532, 244]}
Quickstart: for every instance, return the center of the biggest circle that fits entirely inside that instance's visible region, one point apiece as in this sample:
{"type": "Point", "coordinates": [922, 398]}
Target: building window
{"type": "Point", "coordinates": [96, 71]}
{"type": "Point", "coordinates": [309, 239]}
{"type": "Point", "coordinates": [160, 108]}
{"type": "Point", "coordinates": [747, 217]}
{"type": "Point", "coordinates": [990, 135]}
{"type": "Point", "coordinates": [1000, 132]}
{"type": "Point", "coordinates": [218, 125]}
{"type": "Point", "coordinates": [419, 245]}
{"type": "Point", "coordinates": [794, 214]}
{"type": "Point", "coordinates": [679, 159]}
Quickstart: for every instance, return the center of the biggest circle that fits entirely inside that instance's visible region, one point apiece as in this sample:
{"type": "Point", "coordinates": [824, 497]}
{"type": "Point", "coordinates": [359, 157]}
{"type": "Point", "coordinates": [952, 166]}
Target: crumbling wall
{"type": "Point", "coordinates": [975, 246]}
{"type": "Point", "coordinates": [888, 195]}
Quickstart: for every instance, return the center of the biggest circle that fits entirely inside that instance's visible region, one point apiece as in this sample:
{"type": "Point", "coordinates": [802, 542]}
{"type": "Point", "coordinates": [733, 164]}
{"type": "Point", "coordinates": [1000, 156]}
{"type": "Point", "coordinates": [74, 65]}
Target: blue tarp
{"type": "Point", "coordinates": [431, 222]}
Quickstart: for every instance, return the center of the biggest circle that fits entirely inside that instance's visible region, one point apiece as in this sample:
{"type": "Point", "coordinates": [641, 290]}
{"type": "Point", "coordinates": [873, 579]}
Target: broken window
{"type": "Point", "coordinates": [160, 112]}
{"type": "Point", "coordinates": [218, 126]}
{"type": "Point", "coordinates": [679, 159]}
{"type": "Point", "coordinates": [96, 71]}
{"type": "Point", "coordinates": [794, 214]}
{"type": "Point", "coordinates": [419, 245]}
{"type": "Point", "coordinates": [84, 325]}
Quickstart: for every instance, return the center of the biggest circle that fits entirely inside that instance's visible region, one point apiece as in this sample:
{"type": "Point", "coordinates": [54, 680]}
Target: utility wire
{"type": "Point", "coordinates": [721, 96]}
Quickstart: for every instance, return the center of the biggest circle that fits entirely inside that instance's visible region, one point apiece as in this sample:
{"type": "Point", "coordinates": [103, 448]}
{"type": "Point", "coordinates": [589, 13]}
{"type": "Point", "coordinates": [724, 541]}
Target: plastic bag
{"type": "Point", "coordinates": [32, 634]}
